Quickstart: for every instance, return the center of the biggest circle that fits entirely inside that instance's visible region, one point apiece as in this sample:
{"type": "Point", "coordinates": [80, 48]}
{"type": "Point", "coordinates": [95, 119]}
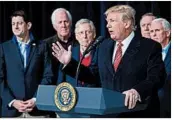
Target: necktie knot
{"type": "Point", "coordinates": [119, 44]}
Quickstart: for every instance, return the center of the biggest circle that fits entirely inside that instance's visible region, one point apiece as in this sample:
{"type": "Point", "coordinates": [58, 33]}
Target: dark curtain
{"type": "Point", "coordinates": [40, 13]}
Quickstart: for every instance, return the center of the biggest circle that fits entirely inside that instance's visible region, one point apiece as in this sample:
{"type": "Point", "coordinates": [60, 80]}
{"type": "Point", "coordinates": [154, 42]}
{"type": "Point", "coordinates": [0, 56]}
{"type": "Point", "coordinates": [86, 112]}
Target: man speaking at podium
{"type": "Point", "coordinates": [125, 63]}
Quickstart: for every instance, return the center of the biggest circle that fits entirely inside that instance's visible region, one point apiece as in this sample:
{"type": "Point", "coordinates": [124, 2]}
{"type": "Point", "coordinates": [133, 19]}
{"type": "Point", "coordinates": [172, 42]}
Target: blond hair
{"type": "Point", "coordinates": [128, 13]}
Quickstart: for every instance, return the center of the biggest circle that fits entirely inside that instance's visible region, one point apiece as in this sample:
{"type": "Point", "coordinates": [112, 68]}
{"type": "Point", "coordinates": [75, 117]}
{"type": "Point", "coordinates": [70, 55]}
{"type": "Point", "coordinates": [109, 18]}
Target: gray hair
{"type": "Point", "coordinates": [82, 21]}
{"type": "Point", "coordinates": [166, 25]}
{"type": "Point", "coordinates": [53, 16]}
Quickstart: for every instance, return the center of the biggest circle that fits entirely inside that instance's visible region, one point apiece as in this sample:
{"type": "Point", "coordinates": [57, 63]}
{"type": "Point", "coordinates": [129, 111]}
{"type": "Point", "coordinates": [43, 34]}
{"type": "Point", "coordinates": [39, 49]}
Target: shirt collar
{"type": "Point", "coordinates": [127, 40]}
{"type": "Point", "coordinates": [31, 39]}
{"type": "Point", "coordinates": [165, 49]}
{"type": "Point", "coordinates": [23, 43]}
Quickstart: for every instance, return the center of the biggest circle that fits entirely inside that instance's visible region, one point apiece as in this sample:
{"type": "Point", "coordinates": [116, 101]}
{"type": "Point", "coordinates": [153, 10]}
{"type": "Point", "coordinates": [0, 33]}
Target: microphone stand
{"type": "Point", "coordinates": [78, 67]}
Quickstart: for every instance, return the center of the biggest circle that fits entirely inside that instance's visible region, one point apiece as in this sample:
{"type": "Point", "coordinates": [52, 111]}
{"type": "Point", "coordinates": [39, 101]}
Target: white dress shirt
{"type": "Point", "coordinates": [23, 51]}
{"type": "Point", "coordinates": [125, 43]}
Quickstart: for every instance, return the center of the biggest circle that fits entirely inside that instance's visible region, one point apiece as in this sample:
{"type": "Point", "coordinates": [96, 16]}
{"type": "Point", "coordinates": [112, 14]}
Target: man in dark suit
{"type": "Point", "coordinates": [126, 63]}
{"type": "Point", "coordinates": [85, 33]}
{"type": "Point", "coordinates": [160, 31]}
{"type": "Point", "coordinates": [62, 21]}
{"type": "Point", "coordinates": [145, 22]}
{"type": "Point", "coordinates": [24, 64]}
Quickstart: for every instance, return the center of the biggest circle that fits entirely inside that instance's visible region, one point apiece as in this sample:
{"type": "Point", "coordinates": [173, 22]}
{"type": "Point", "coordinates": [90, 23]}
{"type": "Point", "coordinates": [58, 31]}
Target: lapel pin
{"type": "Point", "coordinates": [34, 44]}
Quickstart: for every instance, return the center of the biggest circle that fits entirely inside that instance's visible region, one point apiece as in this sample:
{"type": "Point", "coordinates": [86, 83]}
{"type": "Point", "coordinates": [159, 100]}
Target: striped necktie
{"type": "Point", "coordinates": [118, 56]}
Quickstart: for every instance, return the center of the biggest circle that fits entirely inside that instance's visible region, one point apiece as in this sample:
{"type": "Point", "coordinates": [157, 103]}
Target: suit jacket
{"type": "Point", "coordinates": [56, 66]}
{"type": "Point", "coordinates": [69, 79]}
{"type": "Point", "coordinates": [165, 98]}
{"type": "Point", "coordinates": [20, 83]}
{"type": "Point", "coordinates": [141, 68]}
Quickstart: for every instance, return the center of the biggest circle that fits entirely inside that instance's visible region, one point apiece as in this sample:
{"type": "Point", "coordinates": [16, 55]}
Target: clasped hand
{"type": "Point", "coordinates": [24, 106]}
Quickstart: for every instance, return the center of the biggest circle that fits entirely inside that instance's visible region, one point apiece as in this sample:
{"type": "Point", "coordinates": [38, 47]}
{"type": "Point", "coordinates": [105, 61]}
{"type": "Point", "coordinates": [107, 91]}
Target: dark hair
{"type": "Point", "coordinates": [21, 13]}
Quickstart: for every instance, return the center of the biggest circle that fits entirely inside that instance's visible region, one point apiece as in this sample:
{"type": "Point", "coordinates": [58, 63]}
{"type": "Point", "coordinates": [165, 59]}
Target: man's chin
{"type": "Point", "coordinates": [147, 35]}
{"type": "Point", "coordinates": [113, 37]}
{"type": "Point", "coordinates": [64, 34]}
{"type": "Point", "coordinates": [19, 35]}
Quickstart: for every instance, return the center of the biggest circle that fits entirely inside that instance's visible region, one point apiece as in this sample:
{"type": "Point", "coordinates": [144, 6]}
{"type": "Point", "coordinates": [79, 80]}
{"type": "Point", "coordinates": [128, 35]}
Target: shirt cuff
{"type": "Point", "coordinates": [34, 99]}
{"type": "Point", "coordinates": [10, 104]}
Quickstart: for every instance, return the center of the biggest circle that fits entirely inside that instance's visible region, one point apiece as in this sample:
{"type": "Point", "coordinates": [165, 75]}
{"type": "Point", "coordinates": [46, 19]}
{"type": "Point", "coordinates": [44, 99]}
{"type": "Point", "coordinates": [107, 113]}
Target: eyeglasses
{"type": "Point", "coordinates": [85, 32]}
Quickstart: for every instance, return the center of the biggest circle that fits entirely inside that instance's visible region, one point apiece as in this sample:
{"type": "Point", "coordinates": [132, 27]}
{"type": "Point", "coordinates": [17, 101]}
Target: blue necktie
{"type": "Point", "coordinates": [24, 52]}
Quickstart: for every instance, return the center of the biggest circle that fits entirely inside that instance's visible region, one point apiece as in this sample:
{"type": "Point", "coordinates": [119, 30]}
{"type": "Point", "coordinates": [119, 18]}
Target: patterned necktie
{"type": "Point", "coordinates": [118, 56]}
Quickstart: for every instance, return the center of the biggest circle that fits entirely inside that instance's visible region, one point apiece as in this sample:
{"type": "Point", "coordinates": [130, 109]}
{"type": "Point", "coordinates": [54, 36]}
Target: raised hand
{"type": "Point", "coordinates": [61, 54]}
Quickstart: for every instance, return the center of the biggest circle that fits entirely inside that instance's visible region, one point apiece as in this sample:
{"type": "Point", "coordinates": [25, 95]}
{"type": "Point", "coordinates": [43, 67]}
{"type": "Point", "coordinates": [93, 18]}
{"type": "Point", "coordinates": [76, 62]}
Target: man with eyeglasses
{"type": "Point", "coordinates": [85, 33]}
{"type": "Point", "coordinates": [124, 64]}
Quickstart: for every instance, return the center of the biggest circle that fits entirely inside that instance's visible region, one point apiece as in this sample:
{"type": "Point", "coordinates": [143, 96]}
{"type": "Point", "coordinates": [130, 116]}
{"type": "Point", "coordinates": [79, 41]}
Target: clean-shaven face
{"type": "Point", "coordinates": [157, 32]}
{"type": "Point", "coordinates": [145, 24]}
{"type": "Point", "coordinates": [85, 34]}
{"type": "Point", "coordinates": [19, 26]}
{"type": "Point", "coordinates": [115, 25]}
{"type": "Point", "coordinates": [62, 24]}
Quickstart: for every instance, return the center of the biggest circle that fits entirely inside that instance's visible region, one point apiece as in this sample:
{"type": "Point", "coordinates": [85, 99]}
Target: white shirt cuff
{"type": "Point", "coordinates": [34, 99]}
{"type": "Point", "coordinates": [10, 104]}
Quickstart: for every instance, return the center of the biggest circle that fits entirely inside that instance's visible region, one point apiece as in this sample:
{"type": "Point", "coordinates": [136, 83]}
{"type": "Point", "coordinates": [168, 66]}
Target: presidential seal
{"type": "Point", "coordinates": [65, 96]}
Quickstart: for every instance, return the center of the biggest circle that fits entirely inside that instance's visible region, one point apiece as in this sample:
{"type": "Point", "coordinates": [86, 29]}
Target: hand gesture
{"type": "Point", "coordinates": [61, 54]}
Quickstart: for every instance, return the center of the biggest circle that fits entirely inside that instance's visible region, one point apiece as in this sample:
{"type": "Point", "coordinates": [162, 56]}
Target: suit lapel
{"type": "Point", "coordinates": [31, 53]}
{"type": "Point", "coordinates": [168, 58]}
{"type": "Point", "coordinates": [76, 53]}
{"type": "Point", "coordinates": [15, 53]}
{"type": "Point", "coordinates": [131, 51]}
{"type": "Point", "coordinates": [108, 58]}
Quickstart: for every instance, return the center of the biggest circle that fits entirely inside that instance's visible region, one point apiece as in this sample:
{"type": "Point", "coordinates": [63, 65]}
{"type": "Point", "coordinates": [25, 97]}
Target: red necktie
{"type": "Point", "coordinates": [118, 56]}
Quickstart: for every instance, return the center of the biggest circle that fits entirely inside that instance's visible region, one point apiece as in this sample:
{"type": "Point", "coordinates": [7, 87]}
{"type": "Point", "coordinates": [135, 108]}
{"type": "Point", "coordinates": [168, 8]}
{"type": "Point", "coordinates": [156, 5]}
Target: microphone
{"type": "Point", "coordinates": [93, 44]}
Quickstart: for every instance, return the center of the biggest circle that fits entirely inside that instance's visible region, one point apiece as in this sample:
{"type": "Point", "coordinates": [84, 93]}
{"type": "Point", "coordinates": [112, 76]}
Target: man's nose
{"type": "Point", "coordinates": [85, 35]}
{"type": "Point", "coordinates": [146, 28]}
{"type": "Point", "coordinates": [63, 24]}
{"type": "Point", "coordinates": [153, 34]}
{"type": "Point", "coordinates": [108, 25]}
{"type": "Point", "coordinates": [16, 26]}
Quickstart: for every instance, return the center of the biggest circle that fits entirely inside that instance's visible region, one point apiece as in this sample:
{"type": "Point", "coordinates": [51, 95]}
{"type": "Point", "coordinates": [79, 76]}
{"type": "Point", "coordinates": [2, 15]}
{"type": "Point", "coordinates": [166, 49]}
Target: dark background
{"type": "Point", "coordinates": [40, 13]}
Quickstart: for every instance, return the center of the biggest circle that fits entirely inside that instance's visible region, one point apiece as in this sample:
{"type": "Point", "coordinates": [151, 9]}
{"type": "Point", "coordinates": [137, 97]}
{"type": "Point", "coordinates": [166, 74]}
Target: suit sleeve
{"type": "Point", "coordinates": [47, 73]}
{"type": "Point", "coordinates": [87, 74]}
{"type": "Point", "coordinates": [6, 94]}
{"type": "Point", "coordinates": [155, 74]}
{"type": "Point", "coordinates": [1, 68]}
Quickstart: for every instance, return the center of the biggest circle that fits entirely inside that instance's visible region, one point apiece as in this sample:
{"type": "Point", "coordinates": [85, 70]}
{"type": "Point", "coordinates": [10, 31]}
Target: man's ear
{"type": "Point", "coordinates": [29, 24]}
{"type": "Point", "coordinates": [77, 36]}
{"type": "Point", "coordinates": [168, 33]}
{"type": "Point", "coordinates": [127, 23]}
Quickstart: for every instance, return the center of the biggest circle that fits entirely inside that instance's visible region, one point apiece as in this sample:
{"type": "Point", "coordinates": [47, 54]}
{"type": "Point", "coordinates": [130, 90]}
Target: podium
{"type": "Point", "coordinates": [91, 102]}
